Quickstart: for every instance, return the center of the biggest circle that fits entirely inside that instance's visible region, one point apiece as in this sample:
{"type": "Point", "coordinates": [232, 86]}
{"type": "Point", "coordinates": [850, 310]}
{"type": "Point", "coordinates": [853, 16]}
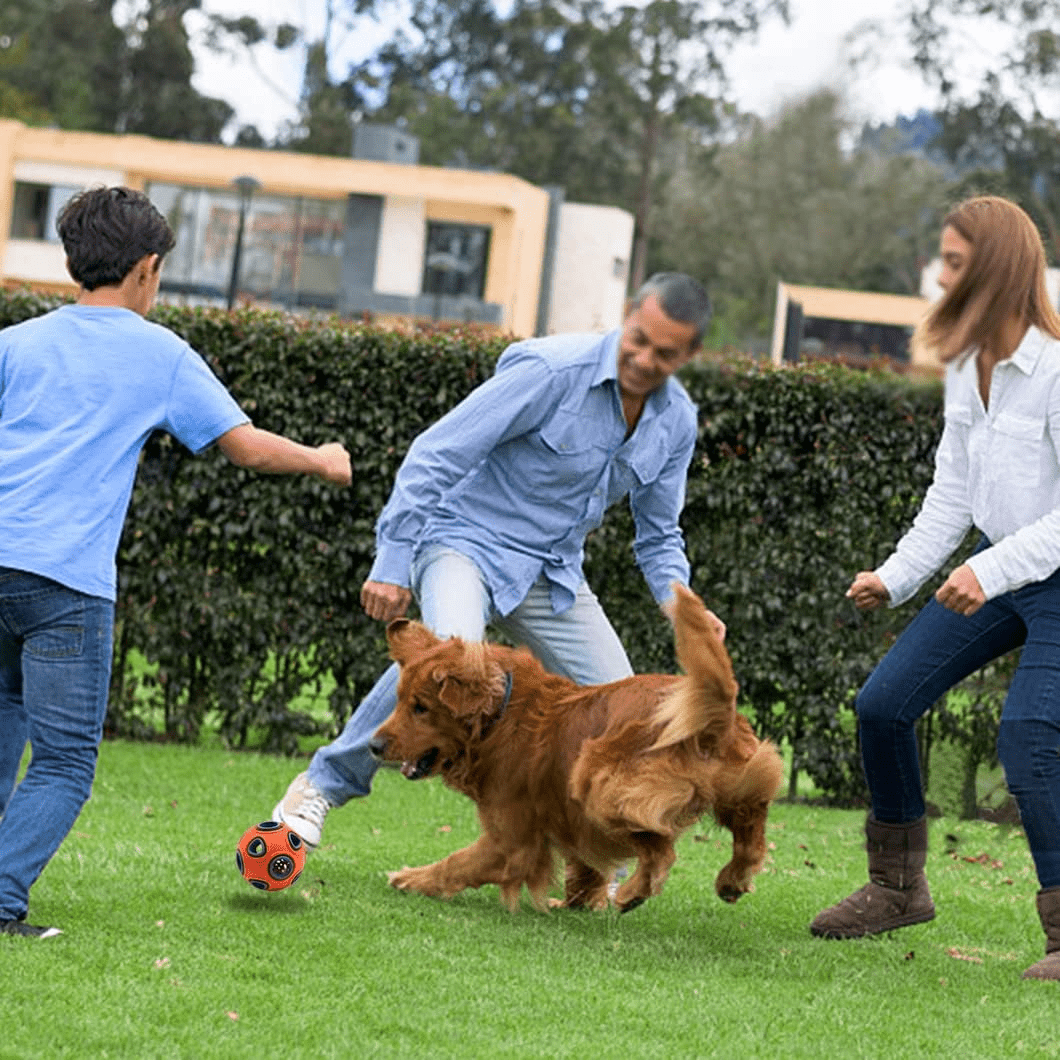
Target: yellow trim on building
{"type": "Point", "coordinates": [515, 210]}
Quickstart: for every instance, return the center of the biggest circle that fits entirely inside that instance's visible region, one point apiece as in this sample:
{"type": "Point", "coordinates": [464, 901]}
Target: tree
{"type": "Point", "coordinates": [995, 65]}
{"type": "Point", "coordinates": [673, 67]}
{"type": "Point", "coordinates": [63, 64]}
{"type": "Point", "coordinates": [159, 97]}
{"type": "Point", "coordinates": [326, 105]}
{"type": "Point", "coordinates": [785, 201]}
{"type": "Point", "coordinates": [71, 64]}
{"type": "Point", "coordinates": [571, 92]}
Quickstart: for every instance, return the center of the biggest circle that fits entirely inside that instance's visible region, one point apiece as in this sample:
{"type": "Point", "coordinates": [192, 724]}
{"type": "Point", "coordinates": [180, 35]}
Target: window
{"type": "Point", "coordinates": [455, 261]}
{"type": "Point", "coordinates": [292, 247]}
{"type": "Point", "coordinates": [36, 208]}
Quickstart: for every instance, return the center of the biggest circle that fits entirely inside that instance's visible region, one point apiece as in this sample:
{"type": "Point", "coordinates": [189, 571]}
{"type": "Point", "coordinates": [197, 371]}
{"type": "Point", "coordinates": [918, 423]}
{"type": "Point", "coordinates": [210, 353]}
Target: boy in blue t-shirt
{"type": "Point", "coordinates": [81, 390]}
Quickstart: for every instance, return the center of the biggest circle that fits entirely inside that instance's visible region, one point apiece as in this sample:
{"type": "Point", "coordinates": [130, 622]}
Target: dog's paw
{"type": "Point", "coordinates": [729, 888]}
{"type": "Point", "coordinates": [417, 880]}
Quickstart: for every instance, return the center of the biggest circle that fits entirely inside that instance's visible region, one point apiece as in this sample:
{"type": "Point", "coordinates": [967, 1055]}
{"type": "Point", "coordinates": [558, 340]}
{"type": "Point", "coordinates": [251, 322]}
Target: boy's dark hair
{"type": "Point", "coordinates": [106, 231]}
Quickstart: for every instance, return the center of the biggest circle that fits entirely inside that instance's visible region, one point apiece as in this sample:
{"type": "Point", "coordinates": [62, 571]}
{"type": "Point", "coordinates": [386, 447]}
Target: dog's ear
{"type": "Point", "coordinates": [472, 684]}
{"type": "Point", "coordinates": [407, 639]}
{"type": "Point", "coordinates": [463, 699]}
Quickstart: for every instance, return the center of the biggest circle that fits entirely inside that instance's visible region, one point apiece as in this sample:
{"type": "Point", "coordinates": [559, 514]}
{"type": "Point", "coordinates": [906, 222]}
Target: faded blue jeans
{"type": "Point", "coordinates": [938, 649]}
{"type": "Point", "coordinates": [55, 657]}
{"type": "Point", "coordinates": [454, 600]}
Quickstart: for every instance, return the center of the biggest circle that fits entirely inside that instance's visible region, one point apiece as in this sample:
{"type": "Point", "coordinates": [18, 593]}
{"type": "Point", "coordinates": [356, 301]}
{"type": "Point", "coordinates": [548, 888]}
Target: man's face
{"type": "Point", "coordinates": [651, 349]}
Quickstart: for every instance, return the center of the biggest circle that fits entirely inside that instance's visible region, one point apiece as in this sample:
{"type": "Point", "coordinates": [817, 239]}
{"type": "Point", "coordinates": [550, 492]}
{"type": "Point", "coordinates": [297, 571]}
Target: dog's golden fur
{"type": "Point", "coordinates": [601, 774]}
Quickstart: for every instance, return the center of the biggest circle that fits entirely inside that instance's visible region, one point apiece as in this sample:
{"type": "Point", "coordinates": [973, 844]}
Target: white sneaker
{"type": "Point", "coordinates": [303, 809]}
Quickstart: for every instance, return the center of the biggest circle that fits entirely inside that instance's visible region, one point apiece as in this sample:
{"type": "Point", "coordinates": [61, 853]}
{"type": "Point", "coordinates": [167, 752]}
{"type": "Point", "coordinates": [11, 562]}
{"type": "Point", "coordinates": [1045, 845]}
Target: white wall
{"type": "Point", "coordinates": [402, 242]}
{"type": "Point", "coordinates": [593, 249]}
{"type": "Point", "coordinates": [34, 261]}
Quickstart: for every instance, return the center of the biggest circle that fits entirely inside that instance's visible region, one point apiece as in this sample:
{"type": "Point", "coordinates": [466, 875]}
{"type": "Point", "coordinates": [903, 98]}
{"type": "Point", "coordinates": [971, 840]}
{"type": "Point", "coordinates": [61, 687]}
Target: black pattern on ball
{"type": "Point", "coordinates": [257, 847]}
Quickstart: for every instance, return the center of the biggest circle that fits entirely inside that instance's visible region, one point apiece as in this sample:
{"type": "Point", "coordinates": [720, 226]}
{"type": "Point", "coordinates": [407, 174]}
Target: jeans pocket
{"type": "Point", "coordinates": [57, 642]}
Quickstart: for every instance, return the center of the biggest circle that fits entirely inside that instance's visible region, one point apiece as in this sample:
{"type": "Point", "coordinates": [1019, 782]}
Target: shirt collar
{"type": "Point", "coordinates": [607, 364]}
{"type": "Point", "coordinates": [1029, 351]}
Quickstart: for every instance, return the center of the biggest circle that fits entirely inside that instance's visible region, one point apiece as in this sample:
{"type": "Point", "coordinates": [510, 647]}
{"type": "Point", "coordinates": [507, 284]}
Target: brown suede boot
{"type": "Point", "coordinates": [897, 892]}
{"type": "Point", "coordinates": [1049, 914]}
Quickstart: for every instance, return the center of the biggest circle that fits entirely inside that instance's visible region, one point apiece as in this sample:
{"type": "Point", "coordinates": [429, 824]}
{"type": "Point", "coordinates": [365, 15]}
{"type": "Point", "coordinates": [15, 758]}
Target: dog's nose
{"type": "Point", "coordinates": [377, 747]}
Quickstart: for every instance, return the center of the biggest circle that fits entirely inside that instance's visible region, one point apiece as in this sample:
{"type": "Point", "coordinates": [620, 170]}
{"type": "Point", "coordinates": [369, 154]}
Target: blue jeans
{"type": "Point", "coordinates": [454, 600]}
{"type": "Point", "coordinates": [937, 650]}
{"type": "Point", "coordinates": [55, 657]}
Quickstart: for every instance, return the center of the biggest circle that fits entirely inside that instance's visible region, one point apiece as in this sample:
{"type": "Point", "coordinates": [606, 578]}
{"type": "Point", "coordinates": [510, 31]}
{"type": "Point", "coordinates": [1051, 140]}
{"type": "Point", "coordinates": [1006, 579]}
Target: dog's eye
{"type": "Point", "coordinates": [418, 708]}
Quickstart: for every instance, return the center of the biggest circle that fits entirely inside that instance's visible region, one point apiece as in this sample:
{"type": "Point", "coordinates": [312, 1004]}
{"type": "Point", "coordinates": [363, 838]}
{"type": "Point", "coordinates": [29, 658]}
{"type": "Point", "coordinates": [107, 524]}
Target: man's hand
{"type": "Point", "coordinates": [961, 592]}
{"type": "Point", "coordinates": [868, 591]}
{"type": "Point", "coordinates": [384, 601]}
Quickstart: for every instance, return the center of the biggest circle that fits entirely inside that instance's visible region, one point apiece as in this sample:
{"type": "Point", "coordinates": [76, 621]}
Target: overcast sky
{"type": "Point", "coordinates": [784, 62]}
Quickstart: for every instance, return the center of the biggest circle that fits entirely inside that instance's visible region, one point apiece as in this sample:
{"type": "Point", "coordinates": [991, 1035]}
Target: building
{"type": "Point", "coordinates": [862, 327]}
{"type": "Point", "coordinates": [377, 233]}
{"type": "Point", "coordinates": [856, 327]}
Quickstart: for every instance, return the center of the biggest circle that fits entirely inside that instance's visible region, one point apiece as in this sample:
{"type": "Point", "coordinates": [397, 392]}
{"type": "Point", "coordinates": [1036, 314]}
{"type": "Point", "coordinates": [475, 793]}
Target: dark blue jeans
{"type": "Point", "coordinates": [55, 655]}
{"type": "Point", "coordinates": [937, 650]}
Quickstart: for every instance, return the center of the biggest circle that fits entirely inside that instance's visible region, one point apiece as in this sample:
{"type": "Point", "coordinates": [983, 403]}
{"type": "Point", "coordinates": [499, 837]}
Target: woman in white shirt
{"type": "Point", "coordinates": [997, 468]}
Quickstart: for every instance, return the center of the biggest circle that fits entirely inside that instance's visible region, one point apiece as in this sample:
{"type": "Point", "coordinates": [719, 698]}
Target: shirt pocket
{"type": "Point", "coordinates": [562, 453]}
{"type": "Point", "coordinates": [640, 466]}
{"type": "Point", "coordinates": [1017, 449]}
{"type": "Point", "coordinates": [647, 461]}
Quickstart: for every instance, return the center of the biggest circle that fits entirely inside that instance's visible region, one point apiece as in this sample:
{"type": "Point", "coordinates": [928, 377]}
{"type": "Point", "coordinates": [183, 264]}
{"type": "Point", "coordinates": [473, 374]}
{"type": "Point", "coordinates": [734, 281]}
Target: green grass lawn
{"type": "Point", "coordinates": [167, 952]}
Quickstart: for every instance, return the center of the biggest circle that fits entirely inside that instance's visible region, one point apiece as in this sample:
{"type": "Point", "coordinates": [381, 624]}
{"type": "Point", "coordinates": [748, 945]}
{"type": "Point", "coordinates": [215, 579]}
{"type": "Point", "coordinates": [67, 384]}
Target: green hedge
{"type": "Point", "coordinates": [241, 590]}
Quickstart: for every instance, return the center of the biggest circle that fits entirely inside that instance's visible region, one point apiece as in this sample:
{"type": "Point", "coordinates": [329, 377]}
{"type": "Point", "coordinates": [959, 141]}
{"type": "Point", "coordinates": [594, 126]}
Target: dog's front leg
{"type": "Point", "coordinates": [481, 862]}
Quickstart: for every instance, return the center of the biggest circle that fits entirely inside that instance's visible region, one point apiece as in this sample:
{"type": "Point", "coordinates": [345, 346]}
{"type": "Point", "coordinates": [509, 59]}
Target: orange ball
{"type": "Point", "coordinates": [270, 856]}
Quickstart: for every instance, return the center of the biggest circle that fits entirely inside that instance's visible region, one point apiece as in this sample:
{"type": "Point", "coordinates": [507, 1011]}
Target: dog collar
{"type": "Point", "coordinates": [502, 708]}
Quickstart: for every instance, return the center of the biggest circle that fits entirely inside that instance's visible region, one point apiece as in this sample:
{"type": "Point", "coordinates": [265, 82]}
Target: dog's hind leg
{"type": "Point", "coordinates": [655, 856]}
{"type": "Point", "coordinates": [584, 888]}
{"type": "Point", "coordinates": [747, 823]}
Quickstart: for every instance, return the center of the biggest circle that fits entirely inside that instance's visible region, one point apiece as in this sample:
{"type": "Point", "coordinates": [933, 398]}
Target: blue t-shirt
{"type": "Point", "coordinates": [81, 390]}
{"type": "Point", "coordinates": [526, 466]}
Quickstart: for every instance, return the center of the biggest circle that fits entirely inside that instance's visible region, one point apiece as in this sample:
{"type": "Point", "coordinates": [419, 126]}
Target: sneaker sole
{"type": "Point", "coordinates": [277, 815]}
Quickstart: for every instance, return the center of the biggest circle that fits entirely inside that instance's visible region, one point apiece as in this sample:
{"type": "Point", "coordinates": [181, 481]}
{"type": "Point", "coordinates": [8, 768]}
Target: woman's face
{"type": "Point", "coordinates": [956, 252]}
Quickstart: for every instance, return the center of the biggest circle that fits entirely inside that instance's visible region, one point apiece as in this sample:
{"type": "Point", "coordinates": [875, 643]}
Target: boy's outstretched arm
{"type": "Point", "coordinates": [248, 446]}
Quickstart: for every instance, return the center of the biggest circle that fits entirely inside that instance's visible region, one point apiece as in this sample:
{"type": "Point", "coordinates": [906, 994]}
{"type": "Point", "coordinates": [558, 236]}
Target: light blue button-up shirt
{"type": "Point", "coordinates": [519, 472]}
{"type": "Point", "coordinates": [997, 467]}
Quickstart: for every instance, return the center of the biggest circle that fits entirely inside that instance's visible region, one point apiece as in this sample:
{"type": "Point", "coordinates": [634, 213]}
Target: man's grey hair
{"type": "Point", "coordinates": [680, 297]}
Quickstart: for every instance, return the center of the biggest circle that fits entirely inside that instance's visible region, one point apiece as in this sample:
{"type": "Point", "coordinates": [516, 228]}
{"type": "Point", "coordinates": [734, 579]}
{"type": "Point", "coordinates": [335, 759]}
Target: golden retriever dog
{"type": "Point", "coordinates": [600, 774]}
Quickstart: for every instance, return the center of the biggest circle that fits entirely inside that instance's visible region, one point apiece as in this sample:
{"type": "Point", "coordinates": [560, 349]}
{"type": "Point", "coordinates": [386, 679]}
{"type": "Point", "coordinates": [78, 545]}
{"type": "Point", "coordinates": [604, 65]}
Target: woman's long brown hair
{"type": "Point", "coordinates": [1004, 279]}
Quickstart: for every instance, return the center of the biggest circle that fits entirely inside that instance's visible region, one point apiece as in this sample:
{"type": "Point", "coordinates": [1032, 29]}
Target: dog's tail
{"type": "Point", "coordinates": [703, 703]}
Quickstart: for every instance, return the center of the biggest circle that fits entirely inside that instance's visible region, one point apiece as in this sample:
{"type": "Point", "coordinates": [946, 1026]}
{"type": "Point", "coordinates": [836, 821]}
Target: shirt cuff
{"type": "Point", "coordinates": [988, 573]}
{"type": "Point", "coordinates": [393, 563]}
{"type": "Point", "coordinates": [897, 581]}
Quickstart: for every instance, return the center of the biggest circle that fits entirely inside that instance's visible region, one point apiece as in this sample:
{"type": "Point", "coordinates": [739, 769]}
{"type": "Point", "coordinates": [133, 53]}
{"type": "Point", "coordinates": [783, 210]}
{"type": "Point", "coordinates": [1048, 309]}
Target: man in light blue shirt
{"type": "Point", "coordinates": [490, 509]}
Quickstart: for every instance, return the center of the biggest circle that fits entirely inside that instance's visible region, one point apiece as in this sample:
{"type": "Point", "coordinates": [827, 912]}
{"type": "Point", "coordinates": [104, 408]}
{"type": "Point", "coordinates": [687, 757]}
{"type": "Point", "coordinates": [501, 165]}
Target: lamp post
{"type": "Point", "coordinates": [246, 187]}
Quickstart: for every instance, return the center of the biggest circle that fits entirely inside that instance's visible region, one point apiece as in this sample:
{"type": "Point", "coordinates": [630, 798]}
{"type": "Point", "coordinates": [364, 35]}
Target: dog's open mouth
{"type": "Point", "coordinates": [421, 767]}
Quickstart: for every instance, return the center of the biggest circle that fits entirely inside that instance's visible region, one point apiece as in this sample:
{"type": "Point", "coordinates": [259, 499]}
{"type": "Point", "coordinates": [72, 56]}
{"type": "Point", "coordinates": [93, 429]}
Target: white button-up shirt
{"type": "Point", "coordinates": [996, 468]}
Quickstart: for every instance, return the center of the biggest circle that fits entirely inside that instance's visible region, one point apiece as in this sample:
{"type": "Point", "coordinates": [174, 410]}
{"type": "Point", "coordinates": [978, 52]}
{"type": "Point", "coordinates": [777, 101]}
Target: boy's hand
{"type": "Point", "coordinates": [336, 464]}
